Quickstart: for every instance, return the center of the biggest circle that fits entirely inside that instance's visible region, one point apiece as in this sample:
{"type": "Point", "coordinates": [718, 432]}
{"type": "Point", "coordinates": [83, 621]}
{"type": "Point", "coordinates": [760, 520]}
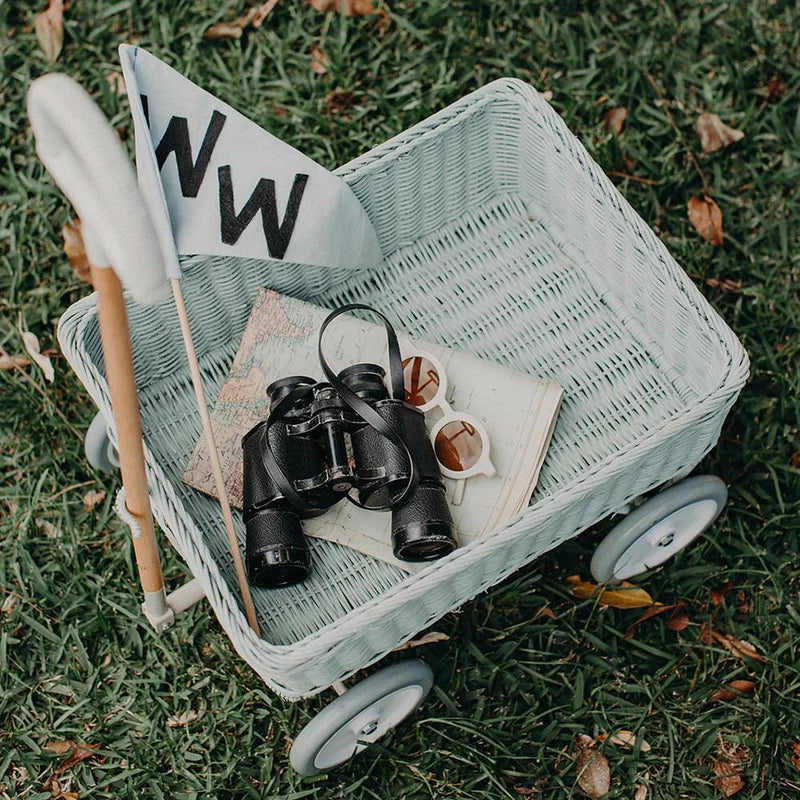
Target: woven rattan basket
{"type": "Point", "coordinates": [501, 236]}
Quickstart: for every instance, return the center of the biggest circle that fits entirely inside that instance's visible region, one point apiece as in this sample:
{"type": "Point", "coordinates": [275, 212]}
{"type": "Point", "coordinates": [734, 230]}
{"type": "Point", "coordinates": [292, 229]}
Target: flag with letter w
{"type": "Point", "coordinates": [217, 184]}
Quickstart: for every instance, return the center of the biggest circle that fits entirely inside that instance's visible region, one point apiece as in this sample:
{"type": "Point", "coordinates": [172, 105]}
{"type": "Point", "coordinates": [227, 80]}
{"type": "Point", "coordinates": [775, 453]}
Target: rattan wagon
{"type": "Point", "coordinates": [501, 237]}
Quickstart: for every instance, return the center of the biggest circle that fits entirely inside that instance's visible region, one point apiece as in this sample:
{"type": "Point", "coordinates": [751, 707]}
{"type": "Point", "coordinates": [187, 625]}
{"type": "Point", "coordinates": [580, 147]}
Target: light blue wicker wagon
{"type": "Point", "coordinates": [500, 236]}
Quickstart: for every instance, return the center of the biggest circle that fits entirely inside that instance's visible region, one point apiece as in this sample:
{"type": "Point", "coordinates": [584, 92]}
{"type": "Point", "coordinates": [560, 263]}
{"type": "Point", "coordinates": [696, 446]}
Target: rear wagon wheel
{"type": "Point", "coordinates": [659, 528]}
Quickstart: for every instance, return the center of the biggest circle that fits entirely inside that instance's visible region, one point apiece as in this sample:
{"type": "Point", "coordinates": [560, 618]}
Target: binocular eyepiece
{"type": "Point", "coordinates": [315, 449]}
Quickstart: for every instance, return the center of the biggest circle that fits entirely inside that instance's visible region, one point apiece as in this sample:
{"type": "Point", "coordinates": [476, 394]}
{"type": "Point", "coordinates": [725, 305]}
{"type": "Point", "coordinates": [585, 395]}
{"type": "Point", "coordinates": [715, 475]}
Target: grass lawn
{"type": "Point", "coordinates": [181, 716]}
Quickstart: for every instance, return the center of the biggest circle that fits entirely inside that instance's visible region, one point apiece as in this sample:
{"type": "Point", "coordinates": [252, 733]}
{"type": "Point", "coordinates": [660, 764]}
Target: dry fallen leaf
{"type": "Point", "coordinates": [32, 347]}
{"type": "Point", "coordinates": [319, 61]}
{"type": "Point", "coordinates": [594, 773]}
{"type": "Point", "coordinates": [9, 604]}
{"type": "Point", "coordinates": [352, 8]}
{"type": "Point", "coordinates": [706, 218]}
{"type": "Point", "coordinates": [725, 285]}
{"type": "Point", "coordinates": [718, 595]}
{"type": "Point", "coordinates": [428, 638]}
{"type": "Point", "coordinates": [628, 739]}
{"type": "Point", "coordinates": [736, 647]}
{"type": "Point", "coordinates": [49, 27]}
{"type": "Point", "coordinates": [615, 119]}
{"type": "Point", "coordinates": [651, 612]}
{"type": "Point", "coordinates": [13, 362]}
{"type": "Point", "coordinates": [47, 528]}
{"type": "Point", "coordinates": [678, 619]}
{"type": "Point", "coordinates": [75, 250]}
{"type": "Point", "coordinates": [729, 785]}
{"type": "Point", "coordinates": [339, 100]}
{"type": "Point", "coordinates": [732, 690]}
{"type": "Point", "coordinates": [640, 793]}
{"type": "Point", "coordinates": [714, 133]}
{"type": "Point", "coordinates": [93, 498]}
{"type": "Point", "coordinates": [182, 720]}
{"type": "Point", "coordinates": [775, 88]}
{"type": "Point", "coordinates": [77, 752]}
{"type": "Point", "coordinates": [626, 595]}
{"type": "Point", "coordinates": [116, 82]}
{"type": "Point", "coordinates": [795, 755]}
{"type": "Point", "coordinates": [235, 28]}
{"type": "Point", "coordinates": [227, 30]}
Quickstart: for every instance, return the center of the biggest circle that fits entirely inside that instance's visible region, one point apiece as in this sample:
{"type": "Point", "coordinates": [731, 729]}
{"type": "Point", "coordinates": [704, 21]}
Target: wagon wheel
{"type": "Point", "coordinates": [100, 452]}
{"type": "Point", "coordinates": [659, 528]}
{"type": "Point", "coordinates": [360, 716]}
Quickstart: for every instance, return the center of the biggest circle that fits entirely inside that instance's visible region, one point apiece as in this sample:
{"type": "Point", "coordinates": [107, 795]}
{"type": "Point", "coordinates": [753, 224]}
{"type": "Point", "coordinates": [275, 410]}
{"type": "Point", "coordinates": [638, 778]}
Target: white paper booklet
{"type": "Point", "coordinates": [518, 411]}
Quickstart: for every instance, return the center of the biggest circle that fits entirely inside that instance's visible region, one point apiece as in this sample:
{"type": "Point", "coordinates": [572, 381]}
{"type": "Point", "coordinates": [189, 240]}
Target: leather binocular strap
{"type": "Point", "coordinates": [274, 470]}
{"type": "Point", "coordinates": [362, 408]}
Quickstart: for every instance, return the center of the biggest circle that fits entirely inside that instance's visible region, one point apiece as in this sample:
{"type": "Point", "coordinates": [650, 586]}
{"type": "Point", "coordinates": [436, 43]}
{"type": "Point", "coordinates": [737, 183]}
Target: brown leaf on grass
{"type": "Point", "coordinates": [640, 793]}
{"type": "Point", "coordinates": [626, 595]}
{"type": "Point", "coordinates": [339, 100]}
{"type": "Point", "coordinates": [49, 27]}
{"type": "Point", "coordinates": [653, 611]}
{"type": "Point", "coordinates": [625, 739]}
{"type": "Point", "coordinates": [319, 61]}
{"type": "Point", "coordinates": [183, 719]}
{"type": "Point", "coordinates": [116, 82]}
{"type": "Point", "coordinates": [75, 249]}
{"type": "Point", "coordinates": [794, 756]}
{"type": "Point", "coordinates": [678, 619]}
{"type": "Point", "coordinates": [615, 119]}
{"type": "Point", "coordinates": [714, 133]}
{"type": "Point", "coordinates": [227, 30]}
{"type": "Point", "coordinates": [352, 8]}
{"type": "Point", "coordinates": [737, 647]}
{"type": "Point", "coordinates": [729, 785]}
{"type": "Point", "coordinates": [428, 638]}
{"type": "Point", "coordinates": [732, 690]}
{"type": "Point", "coordinates": [13, 362]}
{"type": "Point", "coordinates": [706, 218]}
{"type": "Point", "coordinates": [9, 604]}
{"type": "Point", "coordinates": [594, 773]}
{"type": "Point", "coordinates": [77, 752]}
{"type": "Point", "coordinates": [725, 285]}
{"type": "Point", "coordinates": [34, 351]}
{"type": "Point", "coordinates": [235, 28]}
{"type": "Point", "coordinates": [93, 498]}
{"type": "Point", "coordinates": [775, 88]}
{"type": "Point", "coordinates": [717, 596]}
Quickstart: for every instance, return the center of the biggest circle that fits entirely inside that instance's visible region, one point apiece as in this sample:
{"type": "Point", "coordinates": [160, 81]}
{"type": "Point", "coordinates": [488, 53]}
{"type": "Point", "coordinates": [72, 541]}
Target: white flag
{"type": "Point", "coordinates": [217, 184]}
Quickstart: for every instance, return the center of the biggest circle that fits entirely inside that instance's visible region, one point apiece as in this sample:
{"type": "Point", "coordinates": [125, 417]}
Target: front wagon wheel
{"type": "Point", "coordinates": [360, 716]}
{"type": "Point", "coordinates": [659, 528]}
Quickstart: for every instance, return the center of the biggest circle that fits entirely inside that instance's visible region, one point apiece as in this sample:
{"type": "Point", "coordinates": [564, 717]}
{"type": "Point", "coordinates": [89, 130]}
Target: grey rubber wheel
{"type": "Point", "coordinates": [659, 528]}
{"type": "Point", "coordinates": [100, 453]}
{"type": "Point", "coordinates": [360, 716]}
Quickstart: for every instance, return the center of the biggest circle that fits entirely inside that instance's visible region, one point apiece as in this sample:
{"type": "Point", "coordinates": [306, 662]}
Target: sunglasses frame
{"type": "Point", "coordinates": [483, 466]}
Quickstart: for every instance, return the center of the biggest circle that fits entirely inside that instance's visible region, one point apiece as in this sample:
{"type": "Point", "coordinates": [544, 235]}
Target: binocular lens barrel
{"type": "Point", "coordinates": [277, 550]}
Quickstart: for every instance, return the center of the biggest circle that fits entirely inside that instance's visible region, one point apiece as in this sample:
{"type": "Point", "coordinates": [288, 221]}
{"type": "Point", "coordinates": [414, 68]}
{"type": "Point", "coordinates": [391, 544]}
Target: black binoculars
{"type": "Point", "coordinates": [324, 442]}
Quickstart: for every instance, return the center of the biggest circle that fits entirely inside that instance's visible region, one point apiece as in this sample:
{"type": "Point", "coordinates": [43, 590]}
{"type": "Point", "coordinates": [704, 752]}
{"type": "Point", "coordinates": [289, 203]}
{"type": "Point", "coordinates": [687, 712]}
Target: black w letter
{"type": "Point", "coordinates": [176, 138]}
{"type": "Point", "coordinates": [263, 200]}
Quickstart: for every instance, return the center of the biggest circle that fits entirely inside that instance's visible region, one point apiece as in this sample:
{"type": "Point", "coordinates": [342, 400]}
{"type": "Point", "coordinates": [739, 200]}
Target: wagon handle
{"type": "Point", "coordinates": [84, 156]}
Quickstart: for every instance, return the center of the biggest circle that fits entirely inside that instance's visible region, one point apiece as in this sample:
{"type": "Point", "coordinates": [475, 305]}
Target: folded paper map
{"type": "Point", "coordinates": [519, 413]}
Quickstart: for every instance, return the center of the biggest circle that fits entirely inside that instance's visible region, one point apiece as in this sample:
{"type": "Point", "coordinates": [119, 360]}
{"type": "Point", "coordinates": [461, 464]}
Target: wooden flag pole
{"type": "Point", "coordinates": [213, 454]}
{"type": "Point", "coordinates": [118, 358]}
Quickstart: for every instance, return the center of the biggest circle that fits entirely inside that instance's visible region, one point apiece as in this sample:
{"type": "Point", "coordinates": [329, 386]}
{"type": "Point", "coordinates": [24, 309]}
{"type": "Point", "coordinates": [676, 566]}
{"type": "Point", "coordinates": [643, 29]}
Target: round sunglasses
{"type": "Point", "coordinates": [460, 441]}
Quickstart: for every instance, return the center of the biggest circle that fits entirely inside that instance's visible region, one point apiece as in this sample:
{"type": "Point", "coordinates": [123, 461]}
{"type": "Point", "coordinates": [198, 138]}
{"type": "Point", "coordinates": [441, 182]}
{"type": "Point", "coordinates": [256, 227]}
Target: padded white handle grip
{"type": "Point", "coordinates": [84, 155]}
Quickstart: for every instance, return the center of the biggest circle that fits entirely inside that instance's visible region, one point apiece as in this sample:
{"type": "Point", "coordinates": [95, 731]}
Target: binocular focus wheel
{"type": "Point", "coordinates": [97, 446]}
{"type": "Point", "coordinates": [360, 716]}
{"type": "Point", "coordinates": [659, 528]}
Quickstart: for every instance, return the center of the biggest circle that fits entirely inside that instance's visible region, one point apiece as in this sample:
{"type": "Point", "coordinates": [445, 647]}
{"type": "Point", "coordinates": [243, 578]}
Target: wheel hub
{"type": "Point", "coordinates": [667, 537]}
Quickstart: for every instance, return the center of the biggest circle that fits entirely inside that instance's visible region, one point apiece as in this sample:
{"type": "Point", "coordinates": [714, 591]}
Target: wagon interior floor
{"type": "Point", "coordinates": [496, 283]}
